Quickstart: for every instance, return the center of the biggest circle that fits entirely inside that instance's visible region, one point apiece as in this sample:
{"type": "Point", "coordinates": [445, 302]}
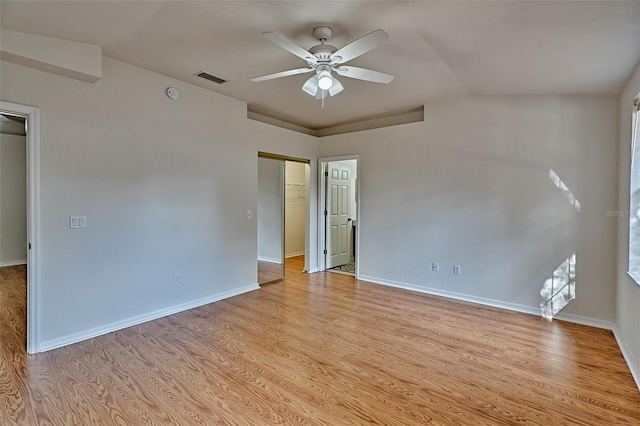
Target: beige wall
{"type": "Point", "coordinates": [270, 210]}
{"type": "Point", "coordinates": [295, 208]}
{"type": "Point", "coordinates": [13, 200]}
{"type": "Point", "coordinates": [470, 186]}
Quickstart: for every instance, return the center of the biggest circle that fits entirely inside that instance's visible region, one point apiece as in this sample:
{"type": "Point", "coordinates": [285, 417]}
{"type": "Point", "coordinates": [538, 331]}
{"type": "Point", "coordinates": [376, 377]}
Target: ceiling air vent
{"type": "Point", "coordinates": [210, 77]}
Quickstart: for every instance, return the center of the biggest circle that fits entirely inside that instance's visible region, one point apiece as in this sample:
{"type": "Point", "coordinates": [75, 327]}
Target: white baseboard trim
{"type": "Point", "coordinates": [269, 259]}
{"type": "Point", "coordinates": [13, 263]}
{"type": "Point", "coordinates": [453, 295]}
{"type": "Point", "coordinates": [298, 253]}
{"type": "Point", "coordinates": [591, 322]}
{"type": "Point", "coordinates": [627, 355]}
{"type": "Point", "coordinates": [139, 319]}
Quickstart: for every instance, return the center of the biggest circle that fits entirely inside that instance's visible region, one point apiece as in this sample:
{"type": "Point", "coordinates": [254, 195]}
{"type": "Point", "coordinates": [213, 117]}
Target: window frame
{"type": "Point", "coordinates": [634, 270]}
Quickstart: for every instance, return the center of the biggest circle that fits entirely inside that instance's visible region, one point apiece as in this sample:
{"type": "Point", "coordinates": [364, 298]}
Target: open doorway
{"type": "Point", "coordinates": [13, 191]}
{"type": "Point", "coordinates": [270, 219]}
{"type": "Point", "coordinates": [339, 212]}
{"type": "Point", "coordinates": [13, 228]}
{"type": "Point", "coordinates": [19, 223]}
{"type": "Point", "coordinates": [295, 214]}
{"type": "Point", "coordinates": [282, 216]}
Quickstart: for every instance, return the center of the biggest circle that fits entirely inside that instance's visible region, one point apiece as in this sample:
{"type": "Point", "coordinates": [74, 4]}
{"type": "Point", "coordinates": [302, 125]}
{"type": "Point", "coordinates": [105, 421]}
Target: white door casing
{"type": "Point", "coordinates": [32, 116]}
{"type": "Point", "coordinates": [338, 219]}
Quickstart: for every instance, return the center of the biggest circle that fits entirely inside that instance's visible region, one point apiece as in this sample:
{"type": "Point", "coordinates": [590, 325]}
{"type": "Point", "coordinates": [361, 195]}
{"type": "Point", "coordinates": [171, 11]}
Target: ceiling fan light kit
{"type": "Point", "coordinates": [325, 58]}
{"type": "Point", "coordinates": [311, 86]}
{"type": "Point", "coordinates": [325, 81]}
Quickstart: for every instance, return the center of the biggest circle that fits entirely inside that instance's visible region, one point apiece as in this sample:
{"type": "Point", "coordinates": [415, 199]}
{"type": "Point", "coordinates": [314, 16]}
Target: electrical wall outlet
{"type": "Point", "coordinates": [456, 269]}
{"type": "Point", "coordinates": [176, 278]}
{"type": "Point", "coordinates": [76, 222]}
{"type": "Point", "coordinates": [435, 266]}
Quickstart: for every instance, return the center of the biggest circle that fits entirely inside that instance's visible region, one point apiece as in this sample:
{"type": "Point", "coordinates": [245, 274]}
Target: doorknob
{"type": "Point", "coordinates": [349, 219]}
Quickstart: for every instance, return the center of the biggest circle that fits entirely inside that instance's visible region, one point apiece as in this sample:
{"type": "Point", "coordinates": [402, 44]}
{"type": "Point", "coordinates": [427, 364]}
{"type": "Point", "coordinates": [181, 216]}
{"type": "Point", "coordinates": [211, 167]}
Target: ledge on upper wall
{"type": "Point", "coordinates": [11, 125]}
{"type": "Point", "coordinates": [80, 61]}
{"type": "Point", "coordinates": [414, 116]}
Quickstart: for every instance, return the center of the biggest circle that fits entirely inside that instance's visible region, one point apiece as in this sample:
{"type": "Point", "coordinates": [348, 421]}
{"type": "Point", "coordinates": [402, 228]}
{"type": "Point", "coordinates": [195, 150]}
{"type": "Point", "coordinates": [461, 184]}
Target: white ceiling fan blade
{"type": "Point", "coordinates": [336, 87]}
{"type": "Point", "coordinates": [311, 86]}
{"type": "Point", "coordinates": [282, 74]}
{"type": "Point", "coordinates": [287, 44]}
{"type": "Point", "coordinates": [364, 74]}
{"type": "Point", "coordinates": [360, 46]}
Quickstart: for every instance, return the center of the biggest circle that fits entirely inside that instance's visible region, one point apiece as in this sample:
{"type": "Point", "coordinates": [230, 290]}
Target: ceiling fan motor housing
{"type": "Point", "coordinates": [323, 55]}
{"type": "Point", "coordinates": [323, 51]}
{"type": "Point", "coordinates": [322, 33]}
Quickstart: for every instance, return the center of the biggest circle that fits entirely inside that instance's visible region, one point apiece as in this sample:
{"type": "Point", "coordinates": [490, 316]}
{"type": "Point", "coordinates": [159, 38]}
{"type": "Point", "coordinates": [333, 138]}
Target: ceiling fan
{"type": "Point", "coordinates": [323, 59]}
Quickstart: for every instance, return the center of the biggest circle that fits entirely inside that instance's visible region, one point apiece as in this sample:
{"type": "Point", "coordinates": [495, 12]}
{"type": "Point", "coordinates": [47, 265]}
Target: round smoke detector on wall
{"type": "Point", "coordinates": [173, 93]}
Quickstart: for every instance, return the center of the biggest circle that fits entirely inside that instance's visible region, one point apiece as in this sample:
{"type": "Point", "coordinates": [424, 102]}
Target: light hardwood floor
{"type": "Point", "coordinates": [269, 272]}
{"type": "Point", "coordinates": [320, 349]}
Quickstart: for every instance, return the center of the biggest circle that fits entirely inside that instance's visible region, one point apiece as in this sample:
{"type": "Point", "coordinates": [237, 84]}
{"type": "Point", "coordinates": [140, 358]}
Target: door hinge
{"type": "Point", "coordinates": [29, 246]}
{"type": "Point", "coordinates": [325, 251]}
{"type": "Point", "coordinates": [326, 173]}
{"type": "Point", "coordinates": [325, 212]}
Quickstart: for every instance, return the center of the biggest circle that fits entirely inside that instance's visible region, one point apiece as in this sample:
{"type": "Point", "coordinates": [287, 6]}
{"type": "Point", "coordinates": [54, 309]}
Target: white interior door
{"type": "Point", "coordinates": [338, 220]}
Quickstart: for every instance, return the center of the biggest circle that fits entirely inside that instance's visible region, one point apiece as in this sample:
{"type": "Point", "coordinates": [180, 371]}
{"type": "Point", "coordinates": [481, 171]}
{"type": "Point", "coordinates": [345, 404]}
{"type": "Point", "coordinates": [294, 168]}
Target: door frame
{"type": "Point", "coordinates": [259, 214]}
{"type": "Point", "coordinates": [32, 116]}
{"type": "Point", "coordinates": [307, 221]}
{"type": "Point", "coordinates": [322, 205]}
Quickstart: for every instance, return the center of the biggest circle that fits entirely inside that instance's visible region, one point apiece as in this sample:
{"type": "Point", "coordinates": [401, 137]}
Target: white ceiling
{"type": "Point", "coordinates": [437, 50]}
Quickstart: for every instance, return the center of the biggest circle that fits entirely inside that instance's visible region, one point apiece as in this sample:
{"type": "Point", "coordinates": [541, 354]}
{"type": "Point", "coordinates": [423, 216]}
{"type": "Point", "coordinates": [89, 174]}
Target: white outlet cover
{"type": "Point", "coordinates": [76, 222]}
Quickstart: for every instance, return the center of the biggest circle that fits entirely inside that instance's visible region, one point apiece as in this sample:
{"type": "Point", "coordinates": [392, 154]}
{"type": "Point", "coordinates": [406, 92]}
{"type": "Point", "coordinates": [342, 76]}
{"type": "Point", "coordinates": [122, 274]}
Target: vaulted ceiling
{"type": "Point", "coordinates": [436, 51]}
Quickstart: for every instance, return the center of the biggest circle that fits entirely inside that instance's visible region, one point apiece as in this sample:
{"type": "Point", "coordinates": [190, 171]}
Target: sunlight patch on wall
{"type": "Point", "coordinates": [559, 289]}
{"type": "Point", "coordinates": [563, 188]}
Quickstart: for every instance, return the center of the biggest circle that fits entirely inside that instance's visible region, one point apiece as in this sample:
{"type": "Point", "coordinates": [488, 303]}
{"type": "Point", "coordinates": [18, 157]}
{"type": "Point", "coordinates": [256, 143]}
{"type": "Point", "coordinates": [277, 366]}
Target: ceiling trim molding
{"type": "Point", "coordinates": [279, 123]}
{"type": "Point", "coordinates": [414, 116]}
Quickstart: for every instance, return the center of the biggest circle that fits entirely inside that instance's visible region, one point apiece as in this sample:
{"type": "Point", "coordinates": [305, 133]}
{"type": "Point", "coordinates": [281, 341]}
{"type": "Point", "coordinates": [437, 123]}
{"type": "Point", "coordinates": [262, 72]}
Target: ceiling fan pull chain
{"type": "Point", "coordinates": [323, 99]}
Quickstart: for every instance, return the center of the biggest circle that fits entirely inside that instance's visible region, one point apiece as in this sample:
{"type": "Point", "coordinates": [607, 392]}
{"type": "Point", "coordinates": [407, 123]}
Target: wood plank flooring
{"type": "Point", "coordinates": [293, 265]}
{"type": "Point", "coordinates": [268, 271]}
{"type": "Point", "coordinates": [320, 349]}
